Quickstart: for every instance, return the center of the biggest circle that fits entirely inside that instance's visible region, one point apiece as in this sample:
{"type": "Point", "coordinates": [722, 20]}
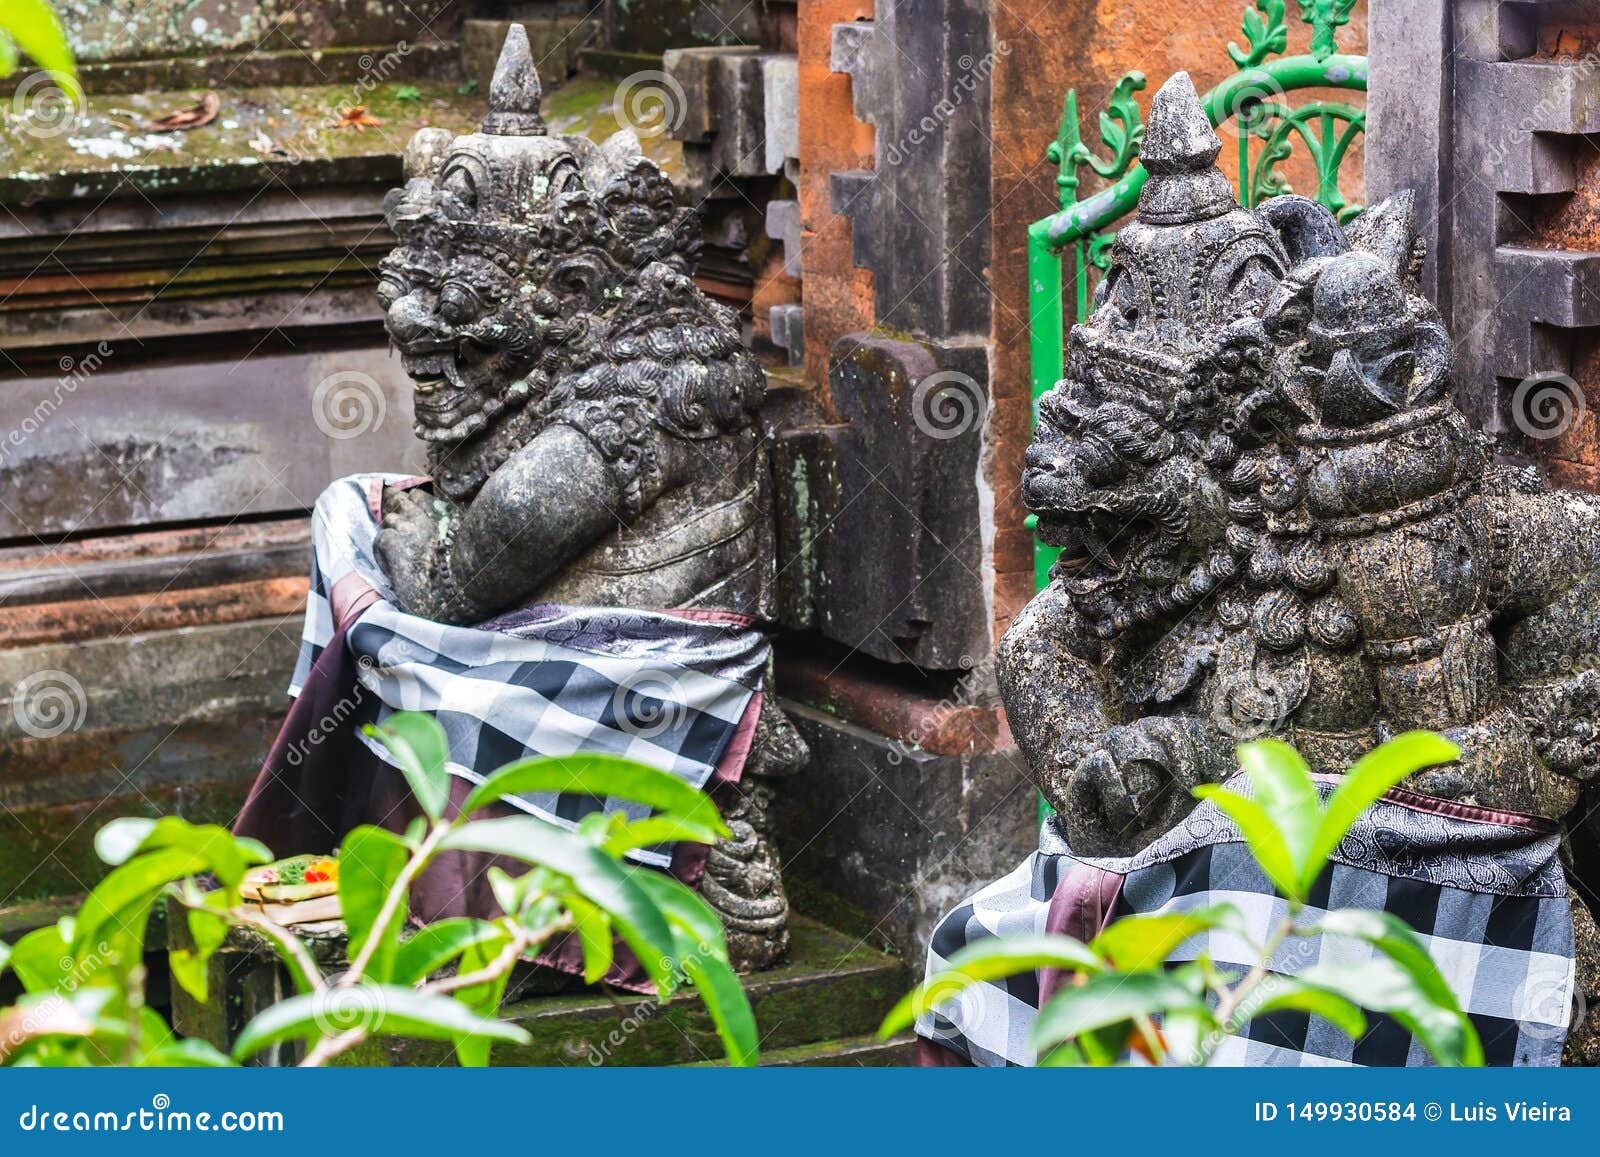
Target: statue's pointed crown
{"type": "Point", "coordinates": [515, 93]}
{"type": "Point", "coordinates": [1178, 137]}
{"type": "Point", "coordinates": [1179, 154]}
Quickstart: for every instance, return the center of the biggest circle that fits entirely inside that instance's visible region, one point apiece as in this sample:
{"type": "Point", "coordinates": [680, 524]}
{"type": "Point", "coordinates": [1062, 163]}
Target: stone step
{"type": "Point", "coordinates": [820, 1008]}
{"type": "Point", "coordinates": [856, 1051]}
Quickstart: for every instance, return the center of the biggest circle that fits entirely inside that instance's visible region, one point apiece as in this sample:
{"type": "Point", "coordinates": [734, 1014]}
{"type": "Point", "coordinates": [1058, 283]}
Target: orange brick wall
{"type": "Point", "coordinates": [837, 295]}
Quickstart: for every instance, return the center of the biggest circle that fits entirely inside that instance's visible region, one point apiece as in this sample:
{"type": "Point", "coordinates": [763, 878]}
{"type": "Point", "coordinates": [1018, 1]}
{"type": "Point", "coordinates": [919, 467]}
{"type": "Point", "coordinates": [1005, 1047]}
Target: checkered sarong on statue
{"type": "Point", "coordinates": [1484, 890]}
{"type": "Point", "coordinates": [672, 689]}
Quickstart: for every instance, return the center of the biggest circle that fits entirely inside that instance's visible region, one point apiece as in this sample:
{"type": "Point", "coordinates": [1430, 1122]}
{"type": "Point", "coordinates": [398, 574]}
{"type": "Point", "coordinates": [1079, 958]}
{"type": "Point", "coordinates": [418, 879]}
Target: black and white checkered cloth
{"type": "Point", "coordinates": [669, 689]}
{"type": "Point", "coordinates": [1486, 893]}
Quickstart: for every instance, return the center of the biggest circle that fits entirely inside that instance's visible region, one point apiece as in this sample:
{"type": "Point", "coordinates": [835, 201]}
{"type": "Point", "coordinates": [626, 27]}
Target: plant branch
{"type": "Point", "coordinates": [520, 942]}
{"type": "Point", "coordinates": [331, 1046]}
{"type": "Point", "coordinates": [392, 902]}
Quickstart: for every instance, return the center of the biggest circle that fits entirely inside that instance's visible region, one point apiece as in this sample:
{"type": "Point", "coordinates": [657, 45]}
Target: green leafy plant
{"type": "Point", "coordinates": [408, 93]}
{"type": "Point", "coordinates": [84, 977]}
{"type": "Point", "coordinates": [32, 27]}
{"type": "Point", "coordinates": [1123, 998]}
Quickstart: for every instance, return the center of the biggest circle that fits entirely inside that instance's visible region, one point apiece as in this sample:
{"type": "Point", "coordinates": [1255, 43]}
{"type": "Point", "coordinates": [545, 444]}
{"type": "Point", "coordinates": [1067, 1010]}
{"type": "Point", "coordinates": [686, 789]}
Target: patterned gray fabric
{"type": "Point", "coordinates": [1488, 899]}
{"type": "Point", "coordinates": [669, 689]}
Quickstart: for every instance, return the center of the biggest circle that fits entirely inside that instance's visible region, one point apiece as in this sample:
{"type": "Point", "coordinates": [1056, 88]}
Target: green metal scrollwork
{"type": "Point", "coordinates": [1327, 129]}
{"type": "Point", "coordinates": [1121, 131]}
{"type": "Point", "coordinates": [1325, 17]}
{"type": "Point", "coordinates": [1253, 97]}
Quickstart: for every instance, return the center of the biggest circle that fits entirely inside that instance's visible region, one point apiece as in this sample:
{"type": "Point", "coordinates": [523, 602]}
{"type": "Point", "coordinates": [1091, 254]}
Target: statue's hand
{"type": "Point", "coordinates": [414, 526]}
{"type": "Point", "coordinates": [1136, 784]}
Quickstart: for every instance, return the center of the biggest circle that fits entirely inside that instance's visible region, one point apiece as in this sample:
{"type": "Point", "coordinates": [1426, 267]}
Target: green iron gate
{"type": "Point", "coordinates": [1253, 97]}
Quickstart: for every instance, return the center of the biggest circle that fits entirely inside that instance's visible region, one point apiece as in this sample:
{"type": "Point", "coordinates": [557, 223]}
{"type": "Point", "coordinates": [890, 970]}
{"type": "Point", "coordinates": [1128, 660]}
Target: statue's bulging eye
{"type": "Point", "coordinates": [459, 183]}
{"type": "Point", "coordinates": [458, 302]}
{"type": "Point", "coordinates": [390, 290]}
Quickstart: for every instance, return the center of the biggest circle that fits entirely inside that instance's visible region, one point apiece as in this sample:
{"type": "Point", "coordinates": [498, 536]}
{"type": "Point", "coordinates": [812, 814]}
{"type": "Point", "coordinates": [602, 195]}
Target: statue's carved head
{"type": "Point", "coordinates": [518, 253]}
{"type": "Point", "coordinates": [1117, 473]}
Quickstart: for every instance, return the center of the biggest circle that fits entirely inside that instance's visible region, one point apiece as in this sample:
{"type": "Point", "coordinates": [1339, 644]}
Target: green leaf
{"type": "Point", "coordinates": [1291, 993]}
{"type": "Point", "coordinates": [600, 776]}
{"type": "Point", "coordinates": [34, 27]}
{"type": "Point", "coordinates": [370, 862]}
{"type": "Point", "coordinates": [647, 833]}
{"type": "Point", "coordinates": [989, 959]}
{"type": "Point", "coordinates": [420, 749]}
{"type": "Point", "coordinates": [1137, 943]}
{"type": "Point", "coordinates": [686, 909]}
{"type": "Point", "coordinates": [1397, 940]}
{"type": "Point", "coordinates": [1107, 999]}
{"type": "Point", "coordinates": [226, 856]}
{"type": "Point", "coordinates": [472, 1051]}
{"type": "Point", "coordinates": [725, 1000]}
{"type": "Point", "coordinates": [116, 910]}
{"type": "Point", "coordinates": [5, 954]}
{"type": "Point", "coordinates": [598, 877]}
{"type": "Point", "coordinates": [1363, 785]}
{"type": "Point", "coordinates": [1383, 986]}
{"type": "Point", "coordinates": [437, 945]}
{"type": "Point", "coordinates": [42, 959]}
{"type": "Point", "coordinates": [1283, 786]}
{"type": "Point", "coordinates": [379, 1009]}
{"type": "Point", "coordinates": [121, 838]}
{"type": "Point", "coordinates": [1265, 841]}
{"type": "Point", "coordinates": [594, 935]}
{"type": "Point", "coordinates": [190, 1053]}
{"type": "Point", "coordinates": [207, 929]}
{"type": "Point", "coordinates": [190, 971]}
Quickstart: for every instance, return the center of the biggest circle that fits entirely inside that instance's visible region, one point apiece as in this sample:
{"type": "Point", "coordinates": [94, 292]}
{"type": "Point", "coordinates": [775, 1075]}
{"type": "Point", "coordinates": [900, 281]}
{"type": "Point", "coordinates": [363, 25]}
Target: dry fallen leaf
{"type": "Point", "coordinates": [202, 112]}
{"type": "Point", "coordinates": [356, 117]}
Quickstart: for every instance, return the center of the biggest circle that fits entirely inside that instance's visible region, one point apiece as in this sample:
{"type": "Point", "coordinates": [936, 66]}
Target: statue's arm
{"type": "Point", "coordinates": [1054, 695]}
{"type": "Point", "coordinates": [544, 507]}
{"type": "Point", "coordinates": [1547, 586]}
{"type": "Point", "coordinates": [1116, 786]}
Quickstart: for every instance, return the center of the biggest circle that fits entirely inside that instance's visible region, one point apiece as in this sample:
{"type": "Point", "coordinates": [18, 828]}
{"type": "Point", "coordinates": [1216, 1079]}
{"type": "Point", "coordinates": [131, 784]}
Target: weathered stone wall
{"type": "Point", "coordinates": [1502, 152]}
